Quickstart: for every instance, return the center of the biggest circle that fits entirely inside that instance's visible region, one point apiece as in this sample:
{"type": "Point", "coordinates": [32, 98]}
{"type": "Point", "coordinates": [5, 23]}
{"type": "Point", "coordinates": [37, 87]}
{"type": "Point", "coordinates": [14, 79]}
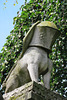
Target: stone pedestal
{"type": "Point", "coordinates": [32, 91]}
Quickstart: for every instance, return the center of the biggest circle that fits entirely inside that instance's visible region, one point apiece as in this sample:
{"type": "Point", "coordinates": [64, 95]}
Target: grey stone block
{"type": "Point", "coordinates": [32, 91]}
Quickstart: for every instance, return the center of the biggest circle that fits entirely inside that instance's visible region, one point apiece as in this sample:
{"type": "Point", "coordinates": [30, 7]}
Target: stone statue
{"type": "Point", "coordinates": [34, 60]}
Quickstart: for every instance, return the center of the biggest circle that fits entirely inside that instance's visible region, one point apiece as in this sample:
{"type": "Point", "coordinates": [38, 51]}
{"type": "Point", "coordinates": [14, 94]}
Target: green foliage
{"type": "Point", "coordinates": [54, 10]}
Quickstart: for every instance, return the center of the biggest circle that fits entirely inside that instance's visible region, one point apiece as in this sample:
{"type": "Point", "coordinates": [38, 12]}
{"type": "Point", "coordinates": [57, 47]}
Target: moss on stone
{"type": "Point", "coordinates": [48, 23]}
{"type": "Point", "coordinates": [13, 98]}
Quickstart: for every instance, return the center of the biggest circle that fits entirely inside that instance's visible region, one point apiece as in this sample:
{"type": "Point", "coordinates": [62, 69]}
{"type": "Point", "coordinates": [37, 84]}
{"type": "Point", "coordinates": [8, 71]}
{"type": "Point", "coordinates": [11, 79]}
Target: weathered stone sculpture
{"type": "Point", "coordinates": [34, 61]}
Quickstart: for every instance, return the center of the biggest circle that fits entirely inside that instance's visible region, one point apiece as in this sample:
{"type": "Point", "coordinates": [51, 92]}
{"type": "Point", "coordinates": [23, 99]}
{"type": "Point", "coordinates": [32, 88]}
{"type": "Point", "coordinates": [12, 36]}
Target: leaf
{"type": "Point", "coordinates": [4, 3]}
{"type": "Point", "coordinates": [14, 4]}
{"type": "Point", "coordinates": [16, 1]}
